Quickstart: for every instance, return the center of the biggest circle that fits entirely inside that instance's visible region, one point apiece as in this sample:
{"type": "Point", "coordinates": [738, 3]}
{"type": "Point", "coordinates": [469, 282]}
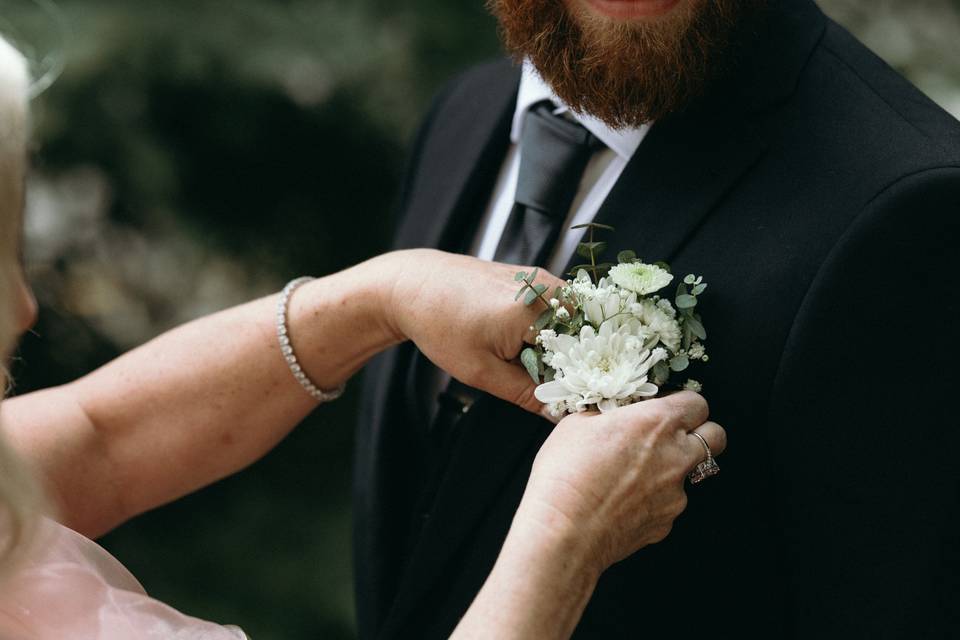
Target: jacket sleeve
{"type": "Point", "coordinates": [864, 425]}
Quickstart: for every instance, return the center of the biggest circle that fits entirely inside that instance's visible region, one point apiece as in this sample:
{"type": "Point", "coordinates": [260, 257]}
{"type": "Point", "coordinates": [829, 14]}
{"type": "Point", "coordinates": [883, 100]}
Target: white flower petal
{"type": "Point", "coordinates": [647, 390]}
{"type": "Point", "coordinates": [550, 392]}
{"type": "Point", "coordinates": [607, 405]}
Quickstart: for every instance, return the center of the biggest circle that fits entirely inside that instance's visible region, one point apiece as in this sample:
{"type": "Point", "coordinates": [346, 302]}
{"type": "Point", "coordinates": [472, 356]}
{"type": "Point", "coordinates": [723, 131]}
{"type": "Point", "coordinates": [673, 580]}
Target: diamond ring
{"type": "Point", "coordinates": [706, 469]}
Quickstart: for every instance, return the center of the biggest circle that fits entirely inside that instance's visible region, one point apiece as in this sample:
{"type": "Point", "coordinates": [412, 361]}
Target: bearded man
{"type": "Point", "coordinates": [755, 142]}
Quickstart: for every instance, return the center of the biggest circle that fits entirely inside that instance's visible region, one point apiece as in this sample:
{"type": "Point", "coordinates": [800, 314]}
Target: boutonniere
{"type": "Point", "coordinates": [609, 338]}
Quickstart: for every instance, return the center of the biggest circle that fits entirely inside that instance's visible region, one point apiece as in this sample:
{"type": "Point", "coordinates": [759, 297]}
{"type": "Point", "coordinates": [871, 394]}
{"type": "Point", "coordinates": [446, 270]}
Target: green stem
{"type": "Point", "coordinates": [593, 261]}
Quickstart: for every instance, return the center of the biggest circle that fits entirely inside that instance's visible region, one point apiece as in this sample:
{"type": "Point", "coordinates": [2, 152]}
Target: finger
{"type": "Point", "coordinates": [716, 438]}
{"type": "Point", "coordinates": [510, 382]}
{"type": "Point", "coordinates": [686, 409]}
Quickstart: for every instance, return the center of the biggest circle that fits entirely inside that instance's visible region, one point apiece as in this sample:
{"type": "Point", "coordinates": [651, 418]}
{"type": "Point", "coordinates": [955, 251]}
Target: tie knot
{"type": "Point", "coordinates": [554, 152]}
{"type": "Point", "coordinates": [545, 114]}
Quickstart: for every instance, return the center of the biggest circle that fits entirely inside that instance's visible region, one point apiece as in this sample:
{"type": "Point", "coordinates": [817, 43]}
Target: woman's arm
{"type": "Point", "coordinates": [602, 487]}
{"type": "Point", "coordinates": [210, 397]}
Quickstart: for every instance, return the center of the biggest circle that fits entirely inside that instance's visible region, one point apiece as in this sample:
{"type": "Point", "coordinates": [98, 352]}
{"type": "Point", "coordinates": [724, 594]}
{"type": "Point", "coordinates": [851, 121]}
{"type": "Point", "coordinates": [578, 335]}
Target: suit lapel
{"type": "Point", "coordinates": [677, 177]}
{"type": "Point", "coordinates": [459, 163]}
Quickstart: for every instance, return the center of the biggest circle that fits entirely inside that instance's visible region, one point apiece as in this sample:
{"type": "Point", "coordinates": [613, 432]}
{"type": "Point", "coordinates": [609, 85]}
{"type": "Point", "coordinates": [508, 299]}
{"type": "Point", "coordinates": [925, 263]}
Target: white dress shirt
{"type": "Point", "coordinates": [602, 172]}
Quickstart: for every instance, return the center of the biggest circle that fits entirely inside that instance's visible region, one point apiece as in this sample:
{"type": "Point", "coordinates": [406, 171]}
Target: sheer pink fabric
{"type": "Point", "coordinates": [69, 588]}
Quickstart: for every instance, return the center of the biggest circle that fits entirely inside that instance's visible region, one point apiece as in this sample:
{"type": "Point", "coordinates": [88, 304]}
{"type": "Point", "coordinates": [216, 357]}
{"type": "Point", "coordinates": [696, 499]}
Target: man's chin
{"type": "Point", "coordinates": [627, 10]}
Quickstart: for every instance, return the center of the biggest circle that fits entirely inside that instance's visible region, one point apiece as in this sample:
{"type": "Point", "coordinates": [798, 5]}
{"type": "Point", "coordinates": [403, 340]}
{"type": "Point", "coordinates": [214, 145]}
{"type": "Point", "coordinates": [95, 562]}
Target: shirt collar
{"type": "Point", "coordinates": [533, 89]}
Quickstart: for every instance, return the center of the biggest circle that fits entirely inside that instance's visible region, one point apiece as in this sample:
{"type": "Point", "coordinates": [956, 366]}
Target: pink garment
{"type": "Point", "coordinates": [70, 588]}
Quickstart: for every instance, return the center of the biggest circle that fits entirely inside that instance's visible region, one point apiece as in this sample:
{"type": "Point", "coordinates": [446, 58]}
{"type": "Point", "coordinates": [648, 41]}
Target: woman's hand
{"type": "Point", "coordinates": [461, 313]}
{"type": "Point", "coordinates": [602, 487]}
{"type": "Point", "coordinates": [616, 480]}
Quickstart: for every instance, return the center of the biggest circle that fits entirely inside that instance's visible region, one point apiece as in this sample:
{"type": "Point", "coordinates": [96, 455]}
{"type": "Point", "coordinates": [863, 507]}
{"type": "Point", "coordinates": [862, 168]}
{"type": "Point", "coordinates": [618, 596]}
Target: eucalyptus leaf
{"type": "Point", "coordinates": [589, 249]}
{"type": "Point", "coordinates": [519, 293]}
{"type": "Point", "coordinates": [521, 275]}
{"type": "Point", "coordinates": [700, 288]}
{"type": "Point", "coordinates": [595, 225]}
{"type": "Point", "coordinates": [576, 323]}
{"type": "Point", "coordinates": [690, 279]}
{"type": "Point", "coordinates": [533, 275]}
{"type": "Point", "coordinates": [663, 265]}
{"type": "Point", "coordinates": [531, 297]}
{"type": "Point", "coordinates": [687, 335]}
{"type": "Point", "coordinates": [696, 327]}
{"type": "Point", "coordinates": [679, 363]}
{"type": "Point", "coordinates": [661, 372]}
{"type": "Point", "coordinates": [686, 301]}
{"type": "Point", "coordinates": [544, 319]}
{"type": "Point", "coordinates": [626, 256]}
{"type": "Point", "coordinates": [540, 288]}
{"type": "Point", "coordinates": [530, 359]}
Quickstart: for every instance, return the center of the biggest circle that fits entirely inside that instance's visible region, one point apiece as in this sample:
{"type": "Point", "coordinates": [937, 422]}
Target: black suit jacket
{"type": "Point", "coordinates": [819, 194]}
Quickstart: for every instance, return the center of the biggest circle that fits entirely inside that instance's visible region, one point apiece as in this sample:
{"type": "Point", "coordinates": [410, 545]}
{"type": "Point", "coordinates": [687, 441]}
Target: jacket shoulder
{"type": "Point", "coordinates": [885, 108]}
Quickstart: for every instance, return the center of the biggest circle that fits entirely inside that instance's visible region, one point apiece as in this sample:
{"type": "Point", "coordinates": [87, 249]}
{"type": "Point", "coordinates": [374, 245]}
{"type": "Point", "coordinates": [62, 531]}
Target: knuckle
{"type": "Point", "coordinates": [680, 505]}
{"type": "Point", "coordinates": [471, 373]}
{"type": "Point", "coordinates": [701, 403]}
{"type": "Point", "coordinates": [696, 405]}
{"type": "Point", "coordinates": [660, 413]}
{"type": "Point", "coordinates": [661, 532]}
{"type": "Point", "coordinates": [721, 438]}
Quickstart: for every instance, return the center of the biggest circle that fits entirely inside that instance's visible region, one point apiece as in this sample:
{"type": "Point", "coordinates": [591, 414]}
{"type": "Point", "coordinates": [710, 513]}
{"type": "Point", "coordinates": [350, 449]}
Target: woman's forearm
{"type": "Point", "coordinates": [538, 589]}
{"type": "Point", "coordinates": [195, 404]}
{"type": "Point", "coordinates": [210, 397]}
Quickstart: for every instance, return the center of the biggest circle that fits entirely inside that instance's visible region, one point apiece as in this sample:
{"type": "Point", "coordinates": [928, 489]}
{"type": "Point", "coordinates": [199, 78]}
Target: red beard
{"type": "Point", "coordinates": [624, 73]}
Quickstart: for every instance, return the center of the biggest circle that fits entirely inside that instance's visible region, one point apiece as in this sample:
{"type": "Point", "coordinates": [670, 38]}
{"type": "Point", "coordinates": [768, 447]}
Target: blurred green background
{"type": "Point", "coordinates": [195, 154]}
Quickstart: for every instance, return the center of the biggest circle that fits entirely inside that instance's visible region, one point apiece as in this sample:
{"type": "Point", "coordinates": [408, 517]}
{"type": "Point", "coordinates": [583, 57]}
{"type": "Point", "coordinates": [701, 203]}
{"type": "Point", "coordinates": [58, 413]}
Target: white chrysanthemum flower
{"type": "Point", "coordinates": [642, 279]}
{"type": "Point", "coordinates": [658, 323]}
{"type": "Point", "coordinates": [693, 385]}
{"type": "Point", "coordinates": [608, 369]}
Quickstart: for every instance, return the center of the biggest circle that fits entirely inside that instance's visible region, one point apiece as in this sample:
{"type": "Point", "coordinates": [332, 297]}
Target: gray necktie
{"type": "Point", "coordinates": [554, 152]}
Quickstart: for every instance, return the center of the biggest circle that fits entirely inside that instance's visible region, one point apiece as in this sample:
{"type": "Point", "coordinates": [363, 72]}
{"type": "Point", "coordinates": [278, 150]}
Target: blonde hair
{"type": "Point", "coordinates": [19, 494]}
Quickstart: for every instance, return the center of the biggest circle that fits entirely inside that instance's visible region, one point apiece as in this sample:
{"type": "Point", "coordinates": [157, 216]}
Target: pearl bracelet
{"type": "Point", "coordinates": [286, 347]}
